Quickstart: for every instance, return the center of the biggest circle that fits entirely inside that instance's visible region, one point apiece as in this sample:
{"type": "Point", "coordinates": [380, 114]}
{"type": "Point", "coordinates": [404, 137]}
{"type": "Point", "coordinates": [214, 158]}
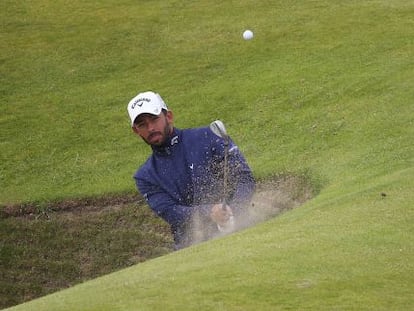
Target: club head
{"type": "Point", "coordinates": [219, 129]}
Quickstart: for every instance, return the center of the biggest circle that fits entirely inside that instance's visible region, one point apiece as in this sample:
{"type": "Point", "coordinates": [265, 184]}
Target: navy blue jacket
{"type": "Point", "coordinates": [185, 175]}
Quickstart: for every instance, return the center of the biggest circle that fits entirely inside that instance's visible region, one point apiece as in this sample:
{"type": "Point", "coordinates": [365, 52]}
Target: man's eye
{"type": "Point", "coordinates": [139, 125]}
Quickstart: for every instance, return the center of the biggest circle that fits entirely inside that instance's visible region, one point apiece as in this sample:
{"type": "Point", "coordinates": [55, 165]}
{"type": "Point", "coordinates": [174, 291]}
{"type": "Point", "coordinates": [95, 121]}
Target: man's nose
{"type": "Point", "coordinates": [150, 126]}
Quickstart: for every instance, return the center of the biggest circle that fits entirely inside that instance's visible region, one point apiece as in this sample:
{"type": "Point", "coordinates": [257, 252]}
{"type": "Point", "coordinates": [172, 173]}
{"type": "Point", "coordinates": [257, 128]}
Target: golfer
{"type": "Point", "coordinates": [182, 180]}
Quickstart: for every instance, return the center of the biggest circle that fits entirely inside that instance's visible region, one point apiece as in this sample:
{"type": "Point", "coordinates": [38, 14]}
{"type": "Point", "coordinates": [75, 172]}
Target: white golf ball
{"type": "Point", "coordinates": [248, 35]}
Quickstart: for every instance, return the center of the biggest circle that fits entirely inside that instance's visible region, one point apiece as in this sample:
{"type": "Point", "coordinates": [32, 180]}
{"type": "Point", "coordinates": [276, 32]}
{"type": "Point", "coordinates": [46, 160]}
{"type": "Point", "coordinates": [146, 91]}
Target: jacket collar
{"type": "Point", "coordinates": [168, 146]}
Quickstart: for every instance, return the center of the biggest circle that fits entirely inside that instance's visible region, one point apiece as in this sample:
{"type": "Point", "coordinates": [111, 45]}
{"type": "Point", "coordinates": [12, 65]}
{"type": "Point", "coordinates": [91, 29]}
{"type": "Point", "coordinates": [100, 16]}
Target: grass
{"type": "Point", "coordinates": [324, 89]}
{"type": "Point", "coordinates": [48, 250]}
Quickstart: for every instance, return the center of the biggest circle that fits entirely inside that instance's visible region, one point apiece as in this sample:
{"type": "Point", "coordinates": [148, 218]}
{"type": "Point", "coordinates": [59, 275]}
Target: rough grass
{"type": "Point", "coordinates": [47, 249]}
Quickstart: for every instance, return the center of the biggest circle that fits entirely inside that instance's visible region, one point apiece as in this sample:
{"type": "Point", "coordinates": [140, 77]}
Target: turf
{"type": "Point", "coordinates": [325, 89]}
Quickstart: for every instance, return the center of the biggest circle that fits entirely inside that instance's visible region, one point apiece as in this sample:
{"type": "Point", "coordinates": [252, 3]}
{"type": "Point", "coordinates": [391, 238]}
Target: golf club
{"type": "Point", "coordinates": [219, 129]}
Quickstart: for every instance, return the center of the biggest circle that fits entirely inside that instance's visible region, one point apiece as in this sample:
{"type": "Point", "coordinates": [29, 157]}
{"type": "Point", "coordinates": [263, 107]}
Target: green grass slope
{"type": "Point", "coordinates": [325, 88]}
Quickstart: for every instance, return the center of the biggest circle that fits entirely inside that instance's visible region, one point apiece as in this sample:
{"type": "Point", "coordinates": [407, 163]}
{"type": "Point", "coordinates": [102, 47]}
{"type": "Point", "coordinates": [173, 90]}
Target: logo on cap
{"type": "Point", "coordinates": [139, 102]}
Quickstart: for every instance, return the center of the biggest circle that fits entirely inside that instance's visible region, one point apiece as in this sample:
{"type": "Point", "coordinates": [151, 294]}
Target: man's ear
{"type": "Point", "coordinates": [170, 116]}
{"type": "Point", "coordinates": [134, 129]}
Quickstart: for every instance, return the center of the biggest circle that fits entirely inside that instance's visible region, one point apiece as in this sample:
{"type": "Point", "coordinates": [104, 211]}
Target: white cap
{"type": "Point", "coordinates": [147, 102]}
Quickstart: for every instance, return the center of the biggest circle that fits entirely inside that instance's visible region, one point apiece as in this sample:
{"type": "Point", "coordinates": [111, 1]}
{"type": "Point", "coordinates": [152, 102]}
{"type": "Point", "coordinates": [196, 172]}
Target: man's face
{"type": "Point", "coordinates": [154, 130]}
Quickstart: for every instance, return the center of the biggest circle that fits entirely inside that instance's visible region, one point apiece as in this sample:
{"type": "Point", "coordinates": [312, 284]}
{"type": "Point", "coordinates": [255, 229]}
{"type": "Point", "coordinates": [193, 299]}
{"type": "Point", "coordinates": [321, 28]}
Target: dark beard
{"type": "Point", "coordinates": [165, 135]}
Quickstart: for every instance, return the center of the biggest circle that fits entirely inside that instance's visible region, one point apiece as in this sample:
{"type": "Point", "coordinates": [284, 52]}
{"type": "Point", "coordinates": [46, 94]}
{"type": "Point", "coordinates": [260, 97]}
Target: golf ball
{"type": "Point", "coordinates": [247, 35]}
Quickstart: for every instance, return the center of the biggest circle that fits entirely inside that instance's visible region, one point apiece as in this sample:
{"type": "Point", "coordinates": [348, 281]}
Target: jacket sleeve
{"type": "Point", "coordinates": [165, 206]}
{"type": "Point", "coordinates": [242, 178]}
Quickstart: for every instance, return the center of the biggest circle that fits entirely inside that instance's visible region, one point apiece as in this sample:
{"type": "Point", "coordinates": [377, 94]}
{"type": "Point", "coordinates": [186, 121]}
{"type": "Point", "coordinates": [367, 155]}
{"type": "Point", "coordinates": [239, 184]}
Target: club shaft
{"type": "Point", "coordinates": [225, 172]}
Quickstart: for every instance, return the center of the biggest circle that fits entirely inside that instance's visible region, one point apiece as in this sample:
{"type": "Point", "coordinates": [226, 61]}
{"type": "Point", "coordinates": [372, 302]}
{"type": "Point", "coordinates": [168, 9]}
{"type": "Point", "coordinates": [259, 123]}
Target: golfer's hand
{"type": "Point", "coordinates": [220, 215]}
